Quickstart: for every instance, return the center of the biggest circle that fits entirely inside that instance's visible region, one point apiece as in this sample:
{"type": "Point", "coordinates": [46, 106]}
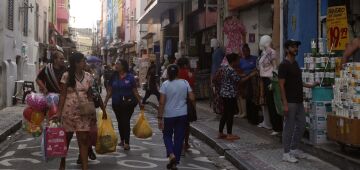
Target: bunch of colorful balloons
{"type": "Point", "coordinates": [52, 100]}
{"type": "Point", "coordinates": [34, 114]}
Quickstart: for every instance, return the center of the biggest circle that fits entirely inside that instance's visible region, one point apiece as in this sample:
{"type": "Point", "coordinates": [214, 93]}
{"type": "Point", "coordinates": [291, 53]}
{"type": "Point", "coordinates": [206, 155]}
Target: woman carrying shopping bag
{"type": "Point", "coordinates": [172, 117]}
{"type": "Point", "coordinates": [76, 107]}
{"type": "Point", "coordinates": [125, 96]}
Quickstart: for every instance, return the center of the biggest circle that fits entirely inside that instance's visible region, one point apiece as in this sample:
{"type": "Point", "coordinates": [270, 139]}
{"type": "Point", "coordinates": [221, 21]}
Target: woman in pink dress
{"type": "Point", "coordinates": [76, 80]}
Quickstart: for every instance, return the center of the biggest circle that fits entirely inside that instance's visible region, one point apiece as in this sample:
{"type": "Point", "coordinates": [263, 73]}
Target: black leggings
{"type": "Point", "coordinates": [230, 109]}
{"type": "Point", "coordinates": [123, 115]}
{"type": "Point", "coordinates": [148, 93]}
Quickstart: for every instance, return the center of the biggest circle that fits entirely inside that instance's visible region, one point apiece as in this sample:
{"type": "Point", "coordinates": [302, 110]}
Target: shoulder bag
{"type": "Point", "coordinates": [191, 110]}
{"type": "Point", "coordinates": [86, 107]}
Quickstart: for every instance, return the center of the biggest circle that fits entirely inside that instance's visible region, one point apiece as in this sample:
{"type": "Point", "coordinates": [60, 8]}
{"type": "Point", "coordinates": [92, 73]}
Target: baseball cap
{"type": "Point", "coordinates": [291, 42]}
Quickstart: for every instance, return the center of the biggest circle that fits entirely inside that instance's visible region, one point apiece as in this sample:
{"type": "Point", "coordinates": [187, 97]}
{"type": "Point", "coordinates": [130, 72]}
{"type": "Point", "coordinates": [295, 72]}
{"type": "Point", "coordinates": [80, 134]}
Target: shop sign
{"type": "Point", "coordinates": [337, 28]}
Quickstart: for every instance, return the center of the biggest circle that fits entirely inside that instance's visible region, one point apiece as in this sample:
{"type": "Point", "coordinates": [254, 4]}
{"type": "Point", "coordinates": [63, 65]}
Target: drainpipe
{"type": "Point", "coordinates": [282, 30]}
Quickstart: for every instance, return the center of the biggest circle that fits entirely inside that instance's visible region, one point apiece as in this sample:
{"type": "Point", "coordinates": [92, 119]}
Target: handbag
{"type": "Point", "coordinates": [86, 107]}
{"type": "Point", "coordinates": [191, 110]}
{"type": "Point", "coordinates": [129, 101]}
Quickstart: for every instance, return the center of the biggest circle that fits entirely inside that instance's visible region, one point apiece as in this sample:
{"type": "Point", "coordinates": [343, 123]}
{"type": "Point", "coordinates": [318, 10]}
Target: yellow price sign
{"type": "Point", "coordinates": [337, 28]}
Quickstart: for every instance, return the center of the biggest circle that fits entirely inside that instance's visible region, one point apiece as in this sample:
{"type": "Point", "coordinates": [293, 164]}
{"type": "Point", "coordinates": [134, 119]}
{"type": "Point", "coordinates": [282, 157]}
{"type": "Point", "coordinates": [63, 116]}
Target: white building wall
{"type": "Point", "coordinates": [18, 53]}
{"type": "Point", "coordinates": [257, 20]}
{"type": "Point", "coordinates": [140, 28]}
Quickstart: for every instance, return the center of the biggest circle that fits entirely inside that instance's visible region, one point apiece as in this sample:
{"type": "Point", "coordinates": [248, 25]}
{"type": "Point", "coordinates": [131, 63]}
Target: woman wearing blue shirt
{"type": "Point", "coordinates": [123, 91]}
{"type": "Point", "coordinates": [172, 116]}
{"type": "Point", "coordinates": [247, 65]}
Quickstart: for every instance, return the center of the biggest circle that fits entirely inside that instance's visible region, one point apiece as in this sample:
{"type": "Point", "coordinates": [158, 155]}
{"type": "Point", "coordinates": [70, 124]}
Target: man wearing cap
{"type": "Point", "coordinates": [291, 87]}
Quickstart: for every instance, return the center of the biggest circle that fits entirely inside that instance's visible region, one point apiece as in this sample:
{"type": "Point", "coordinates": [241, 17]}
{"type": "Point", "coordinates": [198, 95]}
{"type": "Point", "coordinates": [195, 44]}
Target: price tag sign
{"type": "Point", "coordinates": [337, 28]}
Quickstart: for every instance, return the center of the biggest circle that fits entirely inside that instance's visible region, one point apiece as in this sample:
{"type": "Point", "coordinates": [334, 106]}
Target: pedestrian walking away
{"type": "Point", "coordinates": [152, 86]}
{"type": "Point", "coordinates": [75, 87]}
{"type": "Point", "coordinates": [291, 87]}
{"type": "Point", "coordinates": [125, 96]}
{"type": "Point", "coordinates": [172, 116]}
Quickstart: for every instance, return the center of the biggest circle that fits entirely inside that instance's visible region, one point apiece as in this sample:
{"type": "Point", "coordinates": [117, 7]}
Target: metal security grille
{"type": "Point", "coordinates": [10, 15]}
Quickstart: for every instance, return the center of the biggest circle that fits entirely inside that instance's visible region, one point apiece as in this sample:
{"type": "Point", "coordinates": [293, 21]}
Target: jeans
{"type": "Point", "coordinates": [174, 134]}
{"type": "Point", "coordinates": [123, 115]}
{"type": "Point", "coordinates": [294, 126]}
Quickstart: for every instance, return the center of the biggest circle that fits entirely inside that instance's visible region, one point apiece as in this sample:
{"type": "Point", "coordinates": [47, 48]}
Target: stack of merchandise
{"type": "Point", "coordinates": [346, 101]}
{"type": "Point", "coordinates": [317, 102]}
{"type": "Point", "coordinates": [344, 123]}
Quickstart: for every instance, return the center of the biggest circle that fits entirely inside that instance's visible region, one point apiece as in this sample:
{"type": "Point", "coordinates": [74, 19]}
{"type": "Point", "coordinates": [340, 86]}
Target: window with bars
{"type": "Point", "coordinates": [26, 18]}
{"type": "Point", "coordinates": [10, 15]}
{"type": "Point", "coordinates": [37, 22]}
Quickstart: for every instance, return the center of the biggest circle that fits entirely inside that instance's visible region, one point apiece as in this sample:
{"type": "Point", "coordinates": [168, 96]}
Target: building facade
{"type": "Point", "coordinates": [23, 36]}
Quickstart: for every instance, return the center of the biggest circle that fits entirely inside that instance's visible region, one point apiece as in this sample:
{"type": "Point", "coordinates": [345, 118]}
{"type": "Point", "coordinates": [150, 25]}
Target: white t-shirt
{"type": "Point", "coordinates": [266, 66]}
{"type": "Point", "coordinates": [175, 92]}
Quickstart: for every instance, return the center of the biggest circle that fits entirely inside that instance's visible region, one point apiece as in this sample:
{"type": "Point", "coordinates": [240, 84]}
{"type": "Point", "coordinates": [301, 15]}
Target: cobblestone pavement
{"type": "Point", "coordinates": [22, 151]}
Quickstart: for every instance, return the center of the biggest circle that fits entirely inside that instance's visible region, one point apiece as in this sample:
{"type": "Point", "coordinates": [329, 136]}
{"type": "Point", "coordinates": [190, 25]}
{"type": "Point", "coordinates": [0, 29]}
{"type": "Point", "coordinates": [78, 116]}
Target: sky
{"type": "Point", "coordinates": [84, 13]}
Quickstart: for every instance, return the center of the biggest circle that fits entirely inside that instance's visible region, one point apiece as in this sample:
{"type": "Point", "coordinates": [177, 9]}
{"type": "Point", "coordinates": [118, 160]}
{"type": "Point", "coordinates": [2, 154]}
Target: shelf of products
{"type": "Point", "coordinates": [321, 68]}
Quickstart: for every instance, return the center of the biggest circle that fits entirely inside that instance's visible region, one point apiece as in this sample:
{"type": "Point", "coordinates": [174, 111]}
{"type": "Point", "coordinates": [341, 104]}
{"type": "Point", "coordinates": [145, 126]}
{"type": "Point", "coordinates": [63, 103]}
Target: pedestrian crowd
{"type": "Point", "coordinates": [243, 86]}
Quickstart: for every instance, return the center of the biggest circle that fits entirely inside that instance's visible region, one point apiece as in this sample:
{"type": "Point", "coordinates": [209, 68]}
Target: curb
{"type": "Point", "coordinates": [220, 148]}
{"type": "Point", "coordinates": [10, 130]}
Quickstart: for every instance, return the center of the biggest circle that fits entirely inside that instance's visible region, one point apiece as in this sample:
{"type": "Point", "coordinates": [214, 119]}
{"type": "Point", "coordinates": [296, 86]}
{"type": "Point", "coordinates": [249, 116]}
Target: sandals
{"type": "Point", "coordinates": [91, 156]}
{"type": "Point", "coordinates": [126, 147]}
{"type": "Point", "coordinates": [172, 164]}
{"type": "Point", "coordinates": [232, 137]}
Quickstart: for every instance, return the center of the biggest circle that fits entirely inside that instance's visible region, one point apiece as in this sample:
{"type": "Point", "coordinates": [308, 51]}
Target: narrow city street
{"type": "Point", "coordinates": [23, 151]}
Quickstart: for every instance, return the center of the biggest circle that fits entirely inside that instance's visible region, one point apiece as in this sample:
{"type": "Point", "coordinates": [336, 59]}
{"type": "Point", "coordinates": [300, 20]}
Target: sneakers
{"type": "Point", "coordinates": [274, 133]}
{"type": "Point", "coordinates": [236, 116]}
{"type": "Point", "coordinates": [287, 157]}
{"type": "Point", "coordinates": [298, 154]}
{"type": "Point", "coordinates": [262, 125]}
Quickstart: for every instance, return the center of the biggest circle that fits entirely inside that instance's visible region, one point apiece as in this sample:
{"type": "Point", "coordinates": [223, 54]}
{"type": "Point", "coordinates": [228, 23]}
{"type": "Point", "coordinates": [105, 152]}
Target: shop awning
{"type": "Point", "coordinates": [155, 8]}
{"type": "Point", "coordinates": [240, 4]}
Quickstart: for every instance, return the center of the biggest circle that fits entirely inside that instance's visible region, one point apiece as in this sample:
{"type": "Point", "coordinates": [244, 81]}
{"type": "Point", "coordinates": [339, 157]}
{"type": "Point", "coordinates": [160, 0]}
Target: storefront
{"type": "Point", "coordinates": [333, 109]}
{"type": "Point", "coordinates": [201, 28]}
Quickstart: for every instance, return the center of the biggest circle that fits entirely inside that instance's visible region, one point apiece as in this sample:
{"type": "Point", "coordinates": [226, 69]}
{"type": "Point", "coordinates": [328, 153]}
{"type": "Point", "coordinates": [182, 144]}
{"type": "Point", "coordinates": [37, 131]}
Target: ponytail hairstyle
{"type": "Point", "coordinates": [172, 72]}
{"type": "Point", "coordinates": [74, 59]}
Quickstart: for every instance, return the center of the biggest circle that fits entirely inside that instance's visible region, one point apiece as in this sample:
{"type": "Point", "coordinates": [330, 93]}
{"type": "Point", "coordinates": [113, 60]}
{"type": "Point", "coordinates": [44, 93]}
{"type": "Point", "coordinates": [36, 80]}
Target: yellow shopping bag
{"type": "Point", "coordinates": [106, 138]}
{"type": "Point", "coordinates": [142, 128]}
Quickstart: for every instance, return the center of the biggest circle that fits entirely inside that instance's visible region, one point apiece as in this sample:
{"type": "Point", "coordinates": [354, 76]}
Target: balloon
{"type": "Point", "coordinates": [27, 113]}
{"type": "Point", "coordinates": [35, 130]}
{"type": "Point", "coordinates": [26, 126]}
{"type": "Point", "coordinates": [52, 99]}
{"type": "Point", "coordinates": [52, 111]}
{"type": "Point", "coordinates": [37, 117]}
{"type": "Point", "coordinates": [36, 100]}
